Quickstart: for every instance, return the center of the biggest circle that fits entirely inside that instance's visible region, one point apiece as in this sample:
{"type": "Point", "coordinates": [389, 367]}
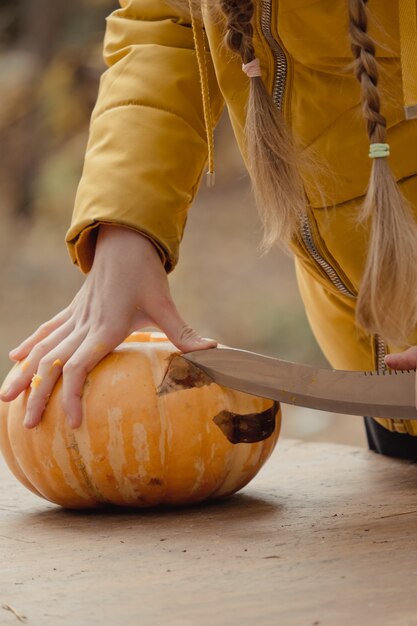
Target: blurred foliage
{"type": "Point", "coordinates": [50, 64]}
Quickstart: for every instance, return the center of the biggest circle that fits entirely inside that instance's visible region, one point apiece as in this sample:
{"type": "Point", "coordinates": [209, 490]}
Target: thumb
{"type": "Point", "coordinates": [185, 338]}
{"type": "Point", "coordinates": [406, 360]}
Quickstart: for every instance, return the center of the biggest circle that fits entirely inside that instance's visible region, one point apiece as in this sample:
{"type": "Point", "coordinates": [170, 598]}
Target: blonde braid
{"type": "Point", "coordinates": [274, 162]}
{"type": "Point", "coordinates": [387, 301]}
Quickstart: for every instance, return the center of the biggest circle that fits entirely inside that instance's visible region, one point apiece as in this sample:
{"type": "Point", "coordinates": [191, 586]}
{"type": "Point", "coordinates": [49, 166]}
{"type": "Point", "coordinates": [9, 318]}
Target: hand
{"type": "Point", "coordinates": [406, 360]}
{"type": "Point", "coordinates": [126, 289]}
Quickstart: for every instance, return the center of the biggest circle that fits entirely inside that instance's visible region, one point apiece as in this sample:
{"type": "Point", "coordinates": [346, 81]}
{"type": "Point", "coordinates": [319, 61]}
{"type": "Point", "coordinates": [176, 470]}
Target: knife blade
{"type": "Point", "coordinates": [389, 393]}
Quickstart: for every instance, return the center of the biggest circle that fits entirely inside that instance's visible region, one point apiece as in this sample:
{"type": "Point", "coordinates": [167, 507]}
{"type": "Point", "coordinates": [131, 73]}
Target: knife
{"type": "Point", "coordinates": [387, 393]}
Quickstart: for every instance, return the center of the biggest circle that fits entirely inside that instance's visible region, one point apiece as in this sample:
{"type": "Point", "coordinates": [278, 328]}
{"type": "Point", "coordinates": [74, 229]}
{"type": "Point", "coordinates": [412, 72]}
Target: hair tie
{"type": "Point", "coordinates": [253, 68]}
{"type": "Point", "coordinates": [378, 150]}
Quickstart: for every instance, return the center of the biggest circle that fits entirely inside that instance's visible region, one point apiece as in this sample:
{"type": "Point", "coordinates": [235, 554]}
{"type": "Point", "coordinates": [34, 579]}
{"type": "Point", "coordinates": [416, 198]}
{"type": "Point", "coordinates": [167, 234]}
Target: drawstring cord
{"type": "Point", "coordinates": [200, 51]}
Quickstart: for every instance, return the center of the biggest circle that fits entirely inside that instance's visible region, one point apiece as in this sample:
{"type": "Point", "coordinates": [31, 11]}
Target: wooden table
{"type": "Point", "coordinates": [325, 535]}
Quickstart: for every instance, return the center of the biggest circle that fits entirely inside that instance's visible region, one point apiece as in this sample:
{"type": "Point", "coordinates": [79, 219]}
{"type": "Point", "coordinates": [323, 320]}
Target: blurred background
{"type": "Point", "coordinates": [50, 64]}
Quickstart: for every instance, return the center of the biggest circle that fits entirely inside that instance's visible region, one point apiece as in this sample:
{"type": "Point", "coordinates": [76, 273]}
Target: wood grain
{"type": "Point", "coordinates": [325, 535]}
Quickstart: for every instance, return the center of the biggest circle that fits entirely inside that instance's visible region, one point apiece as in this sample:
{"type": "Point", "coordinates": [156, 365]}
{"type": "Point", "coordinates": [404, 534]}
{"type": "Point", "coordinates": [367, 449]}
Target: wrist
{"type": "Point", "coordinates": [125, 242]}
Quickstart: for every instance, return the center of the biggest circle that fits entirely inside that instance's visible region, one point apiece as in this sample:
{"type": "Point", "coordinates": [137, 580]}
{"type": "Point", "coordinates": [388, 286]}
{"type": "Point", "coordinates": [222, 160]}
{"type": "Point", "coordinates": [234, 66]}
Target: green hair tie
{"type": "Point", "coordinates": [378, 150]}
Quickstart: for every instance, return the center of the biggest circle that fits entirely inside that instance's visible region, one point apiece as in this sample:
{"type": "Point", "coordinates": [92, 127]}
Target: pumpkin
{"type": "Point", "coordinates": [135, 446]}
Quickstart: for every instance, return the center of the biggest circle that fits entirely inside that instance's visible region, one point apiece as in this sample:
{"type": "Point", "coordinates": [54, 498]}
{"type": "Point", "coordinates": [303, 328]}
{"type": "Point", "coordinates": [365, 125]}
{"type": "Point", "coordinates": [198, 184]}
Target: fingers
{"type": "Point", "coordinates": [24, 371]}
{"type": "Point", "coordinates": [41, 387]}
{"type": "Point", "coordinates": [84, 359]}
{"type": "Point", "coordinates": [22, 351]}
{"type": "Point", "coordinates": [406, 360]}
{"type": "Point", "coordinates": [165, 315]}
{"type": "Point", "coordinates": [65, 350]}
{"type": "Point", "coordinates": [74, 357]}
{"type": "Point", "coordinates": [48, 372]}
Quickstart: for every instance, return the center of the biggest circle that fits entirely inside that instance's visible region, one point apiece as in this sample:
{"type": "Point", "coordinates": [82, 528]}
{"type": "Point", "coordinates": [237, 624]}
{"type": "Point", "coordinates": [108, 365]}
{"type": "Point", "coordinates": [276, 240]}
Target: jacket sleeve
{"type": "Point", "coordinates": [147, 145]}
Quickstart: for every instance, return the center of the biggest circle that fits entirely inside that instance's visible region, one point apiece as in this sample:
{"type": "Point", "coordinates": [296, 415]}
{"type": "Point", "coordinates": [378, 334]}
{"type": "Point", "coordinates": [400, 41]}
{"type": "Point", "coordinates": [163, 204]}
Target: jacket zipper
{"type": "Point", "coordinates": [280, 79]}
{"type": "Point", "coordinates": [380, 352]}
{"type": "Point", "coordinates": [280, 60]}
{"type": "Point", "coordinates": [310, 244]}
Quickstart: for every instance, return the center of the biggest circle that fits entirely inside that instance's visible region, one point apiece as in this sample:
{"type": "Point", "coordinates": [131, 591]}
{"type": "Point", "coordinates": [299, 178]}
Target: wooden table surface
{"type": "Point", "coordinates": [325, 535]}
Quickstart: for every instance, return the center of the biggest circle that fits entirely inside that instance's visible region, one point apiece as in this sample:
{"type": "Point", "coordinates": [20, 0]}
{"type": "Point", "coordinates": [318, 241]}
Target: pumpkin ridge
{"type": "Point", "coordinates": [27, 451]}
{"type": "Point", "coordinates": [158, 371]}
{"type": "Point", "coordinates": [237, 460]}
{"type": "Point", "coordinates": [76, 458]}
{"type": "Point", "coordinates": [9, 453]}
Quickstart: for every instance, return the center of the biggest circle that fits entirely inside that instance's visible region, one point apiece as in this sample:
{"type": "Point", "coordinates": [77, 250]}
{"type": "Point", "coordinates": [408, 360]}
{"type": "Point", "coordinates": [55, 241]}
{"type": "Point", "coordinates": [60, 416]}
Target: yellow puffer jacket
{"type": "Point", "coordinates": [147, 148]}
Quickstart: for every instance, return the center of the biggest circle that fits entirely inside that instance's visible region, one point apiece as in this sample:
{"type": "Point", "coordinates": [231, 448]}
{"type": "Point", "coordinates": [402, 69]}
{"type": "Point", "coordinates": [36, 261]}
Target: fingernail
{"type": "Point", "coordinates": [27, 422]}
{"type": "Point", "coordinates": [208, 339]}
{"type": "Point", "coordinates": [72, 423]}
{"type": "Point", "coordinates": [6, 391]}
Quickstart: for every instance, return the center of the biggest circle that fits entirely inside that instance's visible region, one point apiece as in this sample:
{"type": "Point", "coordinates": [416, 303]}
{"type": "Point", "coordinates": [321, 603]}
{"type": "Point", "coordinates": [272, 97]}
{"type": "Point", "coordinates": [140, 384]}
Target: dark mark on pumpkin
{"type": "Point", "coordinates": [181, 375]}
{"type": "Point", "coordinates": [247, 428]}
{"type": "Point", "coordinates": [156, 481]}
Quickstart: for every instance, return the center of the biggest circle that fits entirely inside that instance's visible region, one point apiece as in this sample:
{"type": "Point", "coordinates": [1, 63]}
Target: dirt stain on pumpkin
{"type": "Point", "coordinates": [158, 482]}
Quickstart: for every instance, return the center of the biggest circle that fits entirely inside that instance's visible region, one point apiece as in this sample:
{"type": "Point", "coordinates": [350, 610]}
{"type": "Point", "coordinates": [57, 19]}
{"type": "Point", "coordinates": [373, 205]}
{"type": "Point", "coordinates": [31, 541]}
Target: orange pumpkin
{"type": "Point", "coordinates": [135, 447]}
